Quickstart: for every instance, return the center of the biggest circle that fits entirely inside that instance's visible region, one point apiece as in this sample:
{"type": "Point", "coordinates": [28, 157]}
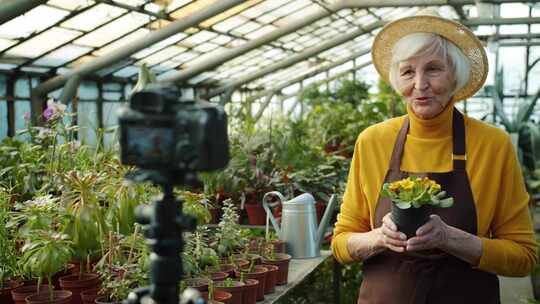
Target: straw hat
{"type": "Point", "coordinates": [429, 21]}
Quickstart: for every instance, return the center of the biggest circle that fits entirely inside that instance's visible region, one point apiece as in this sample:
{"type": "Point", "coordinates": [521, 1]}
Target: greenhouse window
{"type": "Point", "coordinates": [63, 55]}
{"type": "Point", "coordinates": [113, 30]}
{"type": "Point", "coordinates": [122, 42]}
{"type": "Point", "coordinates": [44, 42]}
{"type": "Point", "coordinates": [33, 21]}
{"type": "Point", "coordinates": [94, 17]}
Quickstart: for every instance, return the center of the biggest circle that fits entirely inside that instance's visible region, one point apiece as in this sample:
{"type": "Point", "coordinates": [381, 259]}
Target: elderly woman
{"type": "Point", "coordinates": [454, 257]}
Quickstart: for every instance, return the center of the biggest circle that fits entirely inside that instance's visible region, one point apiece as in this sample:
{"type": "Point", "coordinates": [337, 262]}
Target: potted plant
{"type": "Point", "coordinates": [281, 260]}
{"type": "Point", "coordinates": [234, 287]}
{"type": "Point", "coordinates": [44, 254]}
{"type": "Point", "coordinates": [229, 238]}
{"type": "Point", "coordinates": [410, 198]}
{"type": "Point", "coordinates": [254, 272]}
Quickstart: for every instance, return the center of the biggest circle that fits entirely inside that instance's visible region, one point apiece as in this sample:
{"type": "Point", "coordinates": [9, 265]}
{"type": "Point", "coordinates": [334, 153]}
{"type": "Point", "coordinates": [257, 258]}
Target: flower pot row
{"type": "Point", "coordinates": [252, 281]}
{"type": "Point", "coordinates": [71, 287]}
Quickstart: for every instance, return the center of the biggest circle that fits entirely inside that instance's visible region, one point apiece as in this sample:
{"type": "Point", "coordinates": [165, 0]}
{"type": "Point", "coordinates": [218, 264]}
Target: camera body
{"type": "Point", "coordinates": [163, 132]}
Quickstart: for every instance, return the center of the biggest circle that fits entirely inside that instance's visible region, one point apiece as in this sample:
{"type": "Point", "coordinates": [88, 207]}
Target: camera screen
{"type": "Point", "coordinates": [149, 145]}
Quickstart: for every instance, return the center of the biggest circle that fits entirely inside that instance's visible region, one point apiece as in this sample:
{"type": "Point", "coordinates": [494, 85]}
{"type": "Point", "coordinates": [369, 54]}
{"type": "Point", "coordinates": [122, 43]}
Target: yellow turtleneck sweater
{"type": "Point", "coordinates": [504, 224]}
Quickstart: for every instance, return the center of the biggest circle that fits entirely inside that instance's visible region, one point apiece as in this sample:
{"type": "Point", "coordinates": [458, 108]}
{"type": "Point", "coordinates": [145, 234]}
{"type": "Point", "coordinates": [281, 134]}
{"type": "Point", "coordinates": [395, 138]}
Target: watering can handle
{"type": "Point", "coordinates": [269, 214]}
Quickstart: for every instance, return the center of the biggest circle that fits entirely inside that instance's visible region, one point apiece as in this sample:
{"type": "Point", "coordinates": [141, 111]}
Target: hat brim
{"type": "Point", "coordinates": [457, 33]}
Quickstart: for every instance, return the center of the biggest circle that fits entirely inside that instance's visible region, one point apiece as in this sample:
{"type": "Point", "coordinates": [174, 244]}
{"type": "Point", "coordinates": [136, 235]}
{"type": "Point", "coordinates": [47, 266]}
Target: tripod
{"type": "Point", "coordinates": [163, 224]}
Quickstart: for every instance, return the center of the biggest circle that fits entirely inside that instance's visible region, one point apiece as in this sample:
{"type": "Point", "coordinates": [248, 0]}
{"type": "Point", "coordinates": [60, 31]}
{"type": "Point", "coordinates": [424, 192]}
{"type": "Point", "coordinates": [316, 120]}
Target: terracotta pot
{"type": "Point", "coordinates": [279, 245]}
{"type": "Point", "coordinates": [201, 284]}
{"type": "Point", "coordinates": [19, 294]}
{"type": "Point", "coordinates": [67, 271]}
{"type": "Point", "coordinates": [89, 296]}
{"type": "Point", "coordinates": [105, 300]}
{"type": "Point", "coordinates": [237, 290]}
{"type": "Point", "coordinates": [228, 268]}
{"type": "Point", "coordinates": [271, 278]}
{"type": "Point", "coordinates": [409, 220]}
{"type": "Point", "coordinates": [237, 261]}
{"type": "Point", "coordinates": [257, 259]}
{"type": "Point", "coordinates": [77, 284]}
{"type": "Point", "coordinates": [5, 293]}
{"type": "Point", "coordinates": [250, 291]}
{"type": "Point", "coordinates": [256, 214]}
{"type": "Point", "coordinates": [218, 276]}
{"type": "Point", "coordinates": [282, 261]}
{"type": "Point", "coordinates": [59, 297]}
{"type": "Point", "coordinates": [220, 296]}
{"type": "Point", "coordinates": [258, 273]}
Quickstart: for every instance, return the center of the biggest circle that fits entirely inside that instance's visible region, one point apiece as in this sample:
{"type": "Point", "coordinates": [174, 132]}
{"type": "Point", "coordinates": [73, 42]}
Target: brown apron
{"type": "Point", "coordinates": [430, 276]}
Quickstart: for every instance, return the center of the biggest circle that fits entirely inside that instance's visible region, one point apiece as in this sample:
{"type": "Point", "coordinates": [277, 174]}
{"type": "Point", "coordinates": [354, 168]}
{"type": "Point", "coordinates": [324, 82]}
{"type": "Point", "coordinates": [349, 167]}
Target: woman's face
{"type": "Point", "coordinates": [426, 83]}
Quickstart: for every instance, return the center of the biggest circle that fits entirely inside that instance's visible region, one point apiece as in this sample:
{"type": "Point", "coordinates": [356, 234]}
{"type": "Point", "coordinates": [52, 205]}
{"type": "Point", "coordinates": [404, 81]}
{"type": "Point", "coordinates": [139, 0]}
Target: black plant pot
{"type": "Point", "coordinates": [409, 220]}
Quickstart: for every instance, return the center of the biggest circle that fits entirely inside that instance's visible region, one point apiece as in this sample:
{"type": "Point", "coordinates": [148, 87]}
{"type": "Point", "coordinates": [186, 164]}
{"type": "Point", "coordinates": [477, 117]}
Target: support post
{"type": "Point", "coordinates": [10, 103]}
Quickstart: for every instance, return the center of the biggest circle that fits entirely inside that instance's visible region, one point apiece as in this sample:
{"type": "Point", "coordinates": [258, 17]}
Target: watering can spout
{"type": "Point", "coordinates": [325, 220]}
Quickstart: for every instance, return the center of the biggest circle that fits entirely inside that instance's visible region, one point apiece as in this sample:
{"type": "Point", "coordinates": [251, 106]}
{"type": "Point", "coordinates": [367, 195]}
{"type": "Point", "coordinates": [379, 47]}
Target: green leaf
{"type": "Point", "coordinates": [447, 202]}
{"type": "Point", "coordinates": [403, 205]}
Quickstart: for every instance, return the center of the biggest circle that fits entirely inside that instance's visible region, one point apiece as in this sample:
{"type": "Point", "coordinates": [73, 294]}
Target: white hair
{"type": "Point", "coordinates": [426, 44]}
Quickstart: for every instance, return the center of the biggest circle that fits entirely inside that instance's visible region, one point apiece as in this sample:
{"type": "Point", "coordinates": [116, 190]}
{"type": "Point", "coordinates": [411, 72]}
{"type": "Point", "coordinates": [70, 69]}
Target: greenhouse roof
{"type": "Point", "coordinates": [254, 43]}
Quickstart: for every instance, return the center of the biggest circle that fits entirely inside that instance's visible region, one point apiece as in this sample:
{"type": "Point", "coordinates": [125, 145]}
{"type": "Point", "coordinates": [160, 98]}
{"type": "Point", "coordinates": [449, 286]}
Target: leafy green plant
{"type": "Point", "coordinates": [525, 132]}
{"type": "Point", "coordinates": [229, 233]}
{"type": "Point", "coordinates": [8, 257]}
{"type": "Point", "coordinates": [44, 254]}
{"type": "Point", "coordinates": [81, 196]}
{"type": "Point", "coordinates": [198, 252]}
{"type": "Point", "coordinates": [42, 212]}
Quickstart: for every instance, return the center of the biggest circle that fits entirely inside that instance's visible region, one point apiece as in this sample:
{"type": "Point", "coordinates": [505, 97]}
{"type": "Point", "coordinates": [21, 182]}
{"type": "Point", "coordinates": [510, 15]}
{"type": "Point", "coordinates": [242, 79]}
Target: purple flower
{"type": "Point", "coordinates": [48, 113]}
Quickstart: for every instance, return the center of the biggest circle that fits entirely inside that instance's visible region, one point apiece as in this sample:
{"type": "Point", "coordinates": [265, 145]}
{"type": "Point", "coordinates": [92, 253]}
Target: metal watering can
{"type": "Point", "coordinates": [299, 223]}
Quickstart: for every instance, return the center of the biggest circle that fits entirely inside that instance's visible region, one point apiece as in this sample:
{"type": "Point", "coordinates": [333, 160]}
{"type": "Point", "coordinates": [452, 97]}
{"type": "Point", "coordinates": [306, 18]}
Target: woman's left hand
{"type": "Point", "coordinates": [433, 234]}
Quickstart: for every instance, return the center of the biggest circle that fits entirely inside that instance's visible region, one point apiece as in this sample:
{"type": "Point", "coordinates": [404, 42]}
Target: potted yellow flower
{"type": "Point", "coordinates": [410, 198]}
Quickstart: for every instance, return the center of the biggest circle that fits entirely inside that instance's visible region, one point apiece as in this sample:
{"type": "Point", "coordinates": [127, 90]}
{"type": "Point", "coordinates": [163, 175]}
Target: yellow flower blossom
{"type": "Point", "coordinates": [407, 184]}
{"type": "Point", "coordinates": [394, 186]}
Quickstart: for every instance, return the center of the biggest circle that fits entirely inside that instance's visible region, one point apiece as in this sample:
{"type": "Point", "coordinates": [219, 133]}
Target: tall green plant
{"type": "Point", "coordinates": [8, 258]}
{"type": "Point", "coordinates": [525, 132]}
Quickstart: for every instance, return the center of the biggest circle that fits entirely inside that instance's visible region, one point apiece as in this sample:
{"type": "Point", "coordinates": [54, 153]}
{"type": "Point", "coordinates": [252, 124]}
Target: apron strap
{"type": "Point", "coordinates": [397, 152]}
{"type": "Point", "coordinates": [459, 155]}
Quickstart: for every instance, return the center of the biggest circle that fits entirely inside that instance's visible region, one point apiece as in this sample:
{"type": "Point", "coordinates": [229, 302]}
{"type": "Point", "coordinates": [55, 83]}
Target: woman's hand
{"type": "Point", "coordinates": [391, 237]}
{"type": "Point", "coordinates": [433, 234]}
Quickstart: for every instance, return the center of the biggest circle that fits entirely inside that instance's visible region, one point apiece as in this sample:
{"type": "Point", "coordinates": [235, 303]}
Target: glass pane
{"type": "Point", "coordinates": [94, 17]}
{"type": "Point", "coordinates": [113, 30]}
{"type": "Point", "coordinates": [133, 2]}
{"type": "Point", "coordinates": [246, 28]}
{"type": "Point", "coordinates": [228, 13]}
{"type": "Point", "coordinates": [71, 4]}
{"type": "Point", "coordinates": [514, 10]}
{"type": "Point", "coordinates": [163, 55]}
{"type": "Point", "coordinates": [33, 21]}
{"type": "Point", "coordinates": [34, 69]}
{"type": "Point", "coordinates": [198, 38]}
{"type": "Point", "coordinates": [147, 51]}
{"type": "Point", "coordinates": [175, 4]}
{"type": "Point", "coordinates": [299, 15]}
{"type": "Point", "coordinates": [261, 31]}
{"type": "Point", "coordinates": [205, 47]}
{"type": "Point", "coordinates": [128, 71]}
{"type": "Point", "coordinates": [88, 90]}
{"type": "Point", "coordinates": [138, 34]}
{"type": "Point", "coordinates": [513, 29]}
{"type": "Point", "coordinates": [193, 7]}
{"type": "Point", "coordinates": [86, 119]}
{"type": "Point", "coordinates": [228, 24]}
{"type": "Point", "coordinates": [44, 42]}
{"type": "Point", "coordinates": [21, 107]}
{"type": "Point", "coordinates": [4, 43]}
{"type": "Point", "coordinates": [221, 39]}
{"type": "Point", "coordinates": [63, 55]}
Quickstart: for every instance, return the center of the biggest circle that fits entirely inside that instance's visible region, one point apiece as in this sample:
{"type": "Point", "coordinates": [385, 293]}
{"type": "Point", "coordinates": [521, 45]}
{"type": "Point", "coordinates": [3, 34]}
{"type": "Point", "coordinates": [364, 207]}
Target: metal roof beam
{"type": "Point", "coordinates": [399, 3]}
{"type": "Point", "coordinates": [10, 9]}
{"type": "Point", "coordinates": [305, 76]}
{"type": "Point", "coordinates": [310, 52]}
{"type": "Point", "coordinates": [500, 21]}
{"type": "Point", "coordinates": [509, 36]}
{"type": "Point", "coordinates": [511, 44]}
{"type": "Point", "coordinates": [146, 41]}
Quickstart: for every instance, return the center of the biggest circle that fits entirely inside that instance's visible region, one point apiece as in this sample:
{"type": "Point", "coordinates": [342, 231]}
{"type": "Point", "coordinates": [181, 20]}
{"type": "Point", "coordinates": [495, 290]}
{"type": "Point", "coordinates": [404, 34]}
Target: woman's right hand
{"type": "Point", "coordinates": [391, 237]}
